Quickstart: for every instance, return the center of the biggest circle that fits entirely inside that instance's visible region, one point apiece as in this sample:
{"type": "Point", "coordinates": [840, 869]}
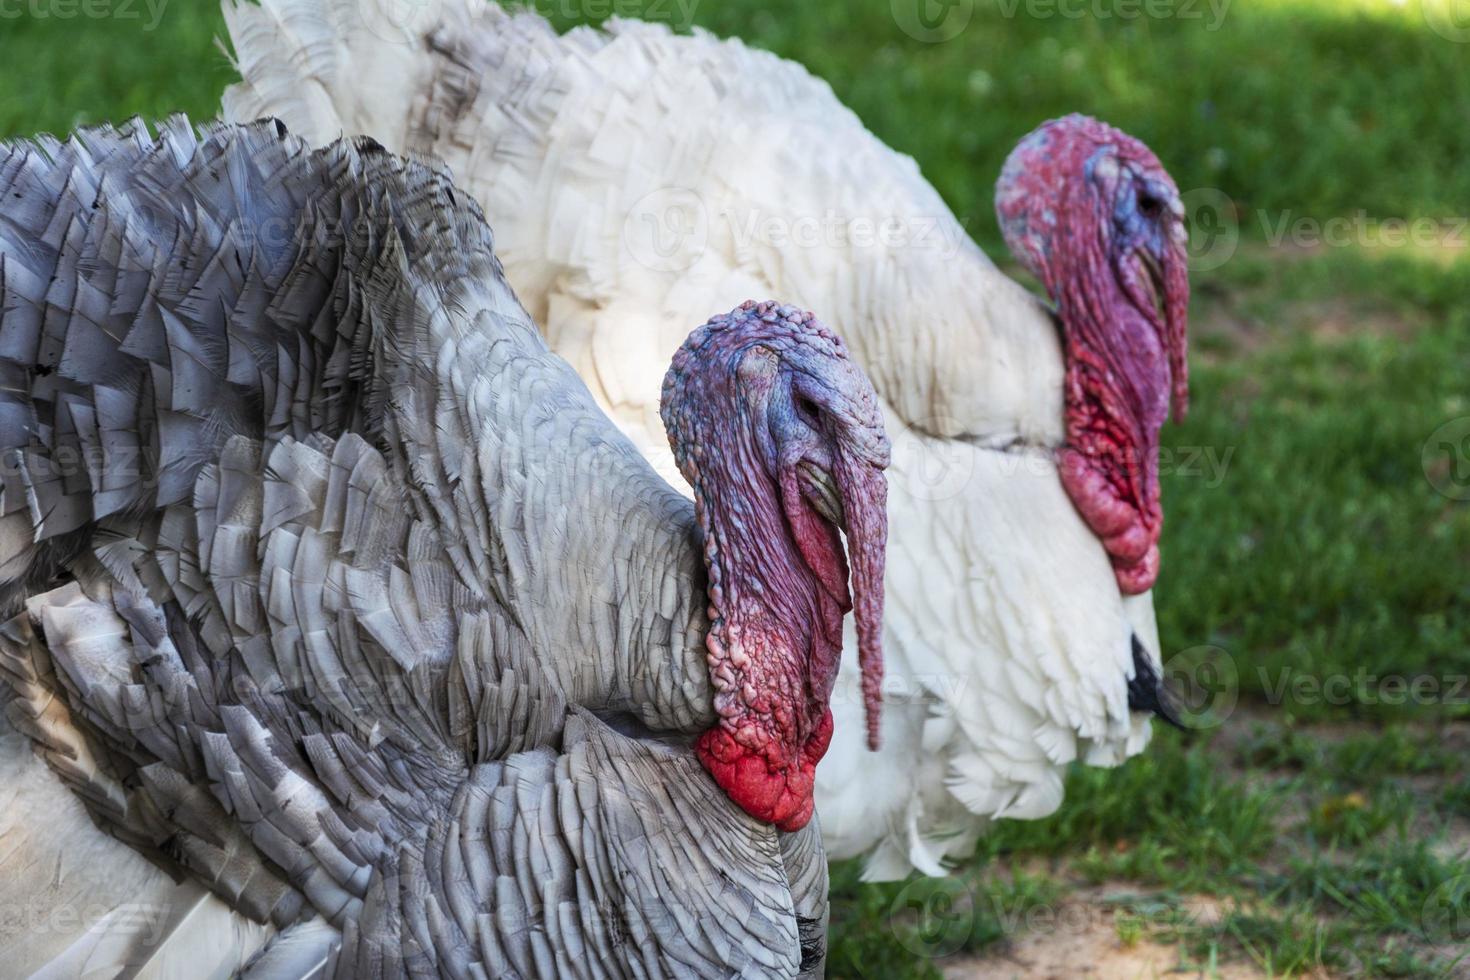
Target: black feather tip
{"type": "Point", "coordinates": [1146, 691]}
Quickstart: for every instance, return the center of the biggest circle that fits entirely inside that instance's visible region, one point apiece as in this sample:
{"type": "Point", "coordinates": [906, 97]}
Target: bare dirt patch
{"type": "Point", "coordinates": [1225, 327]}
{"type": "Point", "coordinates": [1086, 942]}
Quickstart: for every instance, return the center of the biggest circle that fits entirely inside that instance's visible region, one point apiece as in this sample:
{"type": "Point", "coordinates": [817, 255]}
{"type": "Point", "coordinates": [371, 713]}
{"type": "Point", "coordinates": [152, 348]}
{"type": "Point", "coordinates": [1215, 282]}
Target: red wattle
{"type": "Point", "coordinates": [773, 782]}
{"type": "Point", "coordinates": [1118, 498]}
{"type": "Point", "coordinates": [1115, 404]}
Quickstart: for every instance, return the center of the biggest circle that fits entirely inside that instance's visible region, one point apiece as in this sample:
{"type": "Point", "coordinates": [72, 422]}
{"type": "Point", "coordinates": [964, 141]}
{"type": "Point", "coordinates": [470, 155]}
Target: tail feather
{"type": "Point", "coordinates": [326, 68]}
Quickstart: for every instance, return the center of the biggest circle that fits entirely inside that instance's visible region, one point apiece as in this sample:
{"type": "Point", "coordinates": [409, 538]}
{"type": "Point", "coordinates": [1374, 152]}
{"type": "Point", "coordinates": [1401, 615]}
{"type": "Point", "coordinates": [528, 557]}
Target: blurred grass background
{"type": "Point", "coordinates": [1320, 107]}
{"type": "Point", "coordinates": [1307, 539]}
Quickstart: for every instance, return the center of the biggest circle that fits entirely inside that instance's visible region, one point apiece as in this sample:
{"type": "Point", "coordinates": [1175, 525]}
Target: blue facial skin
{"type": "Point", "coordinates": [1139, 206]}
{"type": "Point", "coordinates": [793, 392]}
{"type": "Point", "coordinates": [795, 421]}
{"type": "Point", "coordinates": [1138, 216]}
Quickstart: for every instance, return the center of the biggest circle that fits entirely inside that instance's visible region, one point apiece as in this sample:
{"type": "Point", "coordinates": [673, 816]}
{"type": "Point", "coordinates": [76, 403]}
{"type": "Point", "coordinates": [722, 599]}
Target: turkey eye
{"type": "Point", "coordinates": [1149, 205]}
{"type": "Point", "coordinates": [806, 407]}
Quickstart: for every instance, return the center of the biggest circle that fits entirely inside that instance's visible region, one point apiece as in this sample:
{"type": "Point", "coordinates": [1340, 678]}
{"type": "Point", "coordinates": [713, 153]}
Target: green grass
{"type": "Point", "coordinates": [1303, 537]}
{"type": "Point", "coordinates": [1322, 858]}
{"type": "Point", "coordinates": [64, 72]}
{"type": "Point", "coordinates": [1324, 552]}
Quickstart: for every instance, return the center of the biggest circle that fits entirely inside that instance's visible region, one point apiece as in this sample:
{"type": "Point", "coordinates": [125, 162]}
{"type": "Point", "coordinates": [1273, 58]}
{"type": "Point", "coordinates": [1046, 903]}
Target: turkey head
{"type": "Point", "coordinates": [1090, 211]}
{"type": "Point", "coordinates": [780, 436]}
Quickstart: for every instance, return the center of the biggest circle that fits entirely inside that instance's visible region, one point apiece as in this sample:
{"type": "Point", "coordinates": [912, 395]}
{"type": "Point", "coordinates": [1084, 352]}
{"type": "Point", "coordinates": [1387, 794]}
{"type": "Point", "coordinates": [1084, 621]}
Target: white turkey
{"type": "Point", "coordinates": [328, 587]}
{"type": "Point", "coordinates": [632, 173]}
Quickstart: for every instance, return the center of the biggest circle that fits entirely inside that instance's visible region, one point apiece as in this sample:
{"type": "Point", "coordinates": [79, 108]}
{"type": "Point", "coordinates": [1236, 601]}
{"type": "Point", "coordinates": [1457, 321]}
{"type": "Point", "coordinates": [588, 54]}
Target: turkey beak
{"type": "Point", "coordinates": [822, 493]}
{"type": "Point", "coordinates": [860, 509]}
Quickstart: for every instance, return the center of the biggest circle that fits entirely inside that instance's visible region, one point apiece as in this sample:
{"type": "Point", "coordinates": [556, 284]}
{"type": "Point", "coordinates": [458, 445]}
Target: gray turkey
{"type": "Point", "coordinates": [329, 589]}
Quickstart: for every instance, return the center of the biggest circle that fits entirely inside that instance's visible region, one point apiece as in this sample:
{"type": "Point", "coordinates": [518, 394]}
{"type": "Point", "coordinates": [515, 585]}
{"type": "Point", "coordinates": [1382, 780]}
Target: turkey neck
{"type": "Point", "coordinates": [1116, 399]}
{"type": "Point", "coordinates": [599, 559]}
{"type": "Point", "coordinates": [774, 641]}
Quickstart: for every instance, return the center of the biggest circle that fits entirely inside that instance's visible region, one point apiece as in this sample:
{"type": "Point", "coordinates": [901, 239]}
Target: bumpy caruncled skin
{"type": "Point", "coordinates": [1091, 212]}
{"type": "Point", "coordinates": [778, 575]}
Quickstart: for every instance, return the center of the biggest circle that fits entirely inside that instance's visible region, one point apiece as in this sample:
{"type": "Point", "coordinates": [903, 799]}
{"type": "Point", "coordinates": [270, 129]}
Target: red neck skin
{"type": "Point", "coordinates": [775, 638]}
{"type": "Point", "coordinates": [1120, 375]}
{"type": "Point", "coordinates": [1116, 400]}
{"type": "Point", "coordinates": [756, 458]}
{"type": "Point", "coordinates": [1092, 213]}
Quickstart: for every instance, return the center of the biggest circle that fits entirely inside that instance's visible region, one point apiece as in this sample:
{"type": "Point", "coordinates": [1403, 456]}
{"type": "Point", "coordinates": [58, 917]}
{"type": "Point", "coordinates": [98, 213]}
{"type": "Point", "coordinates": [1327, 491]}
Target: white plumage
{"type": "Point", "coordinates": [635, 177]}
